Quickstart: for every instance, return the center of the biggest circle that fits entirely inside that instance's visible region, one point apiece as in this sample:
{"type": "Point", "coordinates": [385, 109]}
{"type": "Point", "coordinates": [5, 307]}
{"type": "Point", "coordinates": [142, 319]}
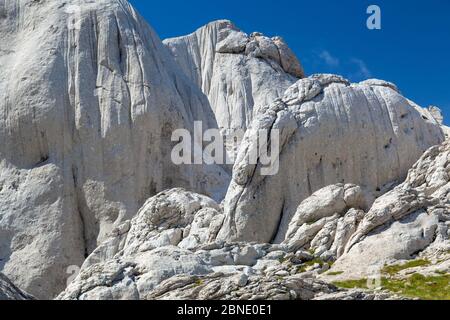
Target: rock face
{"type": "Point", "coordinates": [238, 72]}
{"type": "Point", "coordinates": [149, 249]}
{"type": "Point", "coordinates": [148, 258]}
{"type": "Point", "coordinates": [410, 219]}
{"type": "Point", "coordinates": [331, 132]}
{"type": "Point", "coordinates": [168, 250]}
{"type": "Point", "coordinates": [436, 113]}
{"type": "Point", "coordinates": [89, 97]}
{"type": "Point", "coordinates": [8, 291]}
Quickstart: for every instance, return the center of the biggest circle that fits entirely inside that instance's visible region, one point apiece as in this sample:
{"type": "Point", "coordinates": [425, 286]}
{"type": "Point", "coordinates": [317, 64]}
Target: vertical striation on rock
{"type": "Point", "coordinates": [89, 98]}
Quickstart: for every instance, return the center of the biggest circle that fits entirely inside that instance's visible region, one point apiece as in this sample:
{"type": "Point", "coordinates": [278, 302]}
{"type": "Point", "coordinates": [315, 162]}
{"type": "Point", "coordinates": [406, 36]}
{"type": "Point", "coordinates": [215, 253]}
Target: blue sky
{"type": "Point", "coordinates": [412, 49]}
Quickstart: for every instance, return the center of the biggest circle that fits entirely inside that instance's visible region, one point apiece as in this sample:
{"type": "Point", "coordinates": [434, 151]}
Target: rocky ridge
{"type": "Point", "coordinates": [239, 73]}
{"type": "Point", "coordinates": [86, 179]}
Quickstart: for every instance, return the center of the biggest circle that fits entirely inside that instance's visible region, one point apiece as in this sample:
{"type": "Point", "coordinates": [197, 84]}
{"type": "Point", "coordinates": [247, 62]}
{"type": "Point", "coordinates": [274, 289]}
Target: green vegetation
{"type": "Point", "coordinates": [282, 260]}
{"type": "Point", "coordinates": [351, 284]}
{"type": "Point", "coordinates": [419, 286]}
{"type": "Point", "coordinates": [334, 273]}
{"type": "Point", "coordinates": [307, 264]}
{"type": "Point", "coordinates": [394, 269]}
{"type": "Point", "coordinates": [198, 282]}
{"type": "Point", "coordinates": [416, 286]}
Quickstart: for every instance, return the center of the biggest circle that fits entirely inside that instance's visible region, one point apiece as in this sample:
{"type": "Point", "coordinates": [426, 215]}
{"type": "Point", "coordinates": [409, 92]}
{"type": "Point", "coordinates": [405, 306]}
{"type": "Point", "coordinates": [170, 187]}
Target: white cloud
{"type": "Point", "coordinates": [329, 59]}
{"type": "Point", "coordinates": [363, 71]}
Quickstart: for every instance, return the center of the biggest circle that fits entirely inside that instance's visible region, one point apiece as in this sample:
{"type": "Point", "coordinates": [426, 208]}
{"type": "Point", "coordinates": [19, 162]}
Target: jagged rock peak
{"type": "Point", "coordinates": [226, 37]}
{"type": "Point", "coordinates": [238, 72]}
{"type": "Point", "coordinates": [437, 114]}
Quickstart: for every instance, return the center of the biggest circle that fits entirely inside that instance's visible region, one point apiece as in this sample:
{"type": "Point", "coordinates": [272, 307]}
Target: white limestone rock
{"type": "Point", "coordinates": [330, 132]}
{"type": "Point", "coordinates": [406, 222]}
{"type": "Point", "coordinates": [148, 249]}
{"type": "Point", "coordinates": [436, 113]}
{"type": "Point", "coordinates": [398, 241]}
{"type": "Point", "coordinates": [129, 267]}
{"type": "Point", "coordinates": [89, 98]}
{"type": "Point", "coordinates": [238, 72]}
{"type": "Point", "coordinates": [8, 291]}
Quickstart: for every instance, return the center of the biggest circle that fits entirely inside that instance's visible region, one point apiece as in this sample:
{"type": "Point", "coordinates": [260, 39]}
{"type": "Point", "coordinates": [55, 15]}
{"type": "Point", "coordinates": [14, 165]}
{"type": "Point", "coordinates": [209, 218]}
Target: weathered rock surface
{"type": "Point", "coordinates": [147, 259]}
{"type": "Point", "coordinates": [8, 291]}
{"type": "Point", "coordinates": [402, 224]}
{"type": "Point", "coordinates": [89, 97]}
{"type": "Point", "coordinates": [238, 72]}
{"type": "Point", "coordinates": [331, 132]}
{"type": "Point", "coordinates": [168, 251]}
{"type": "Point", "coordinates": [436, 113]}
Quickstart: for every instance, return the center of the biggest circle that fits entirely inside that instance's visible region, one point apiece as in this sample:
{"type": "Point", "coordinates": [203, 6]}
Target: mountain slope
{"type": "Point", "coordinates": [89, 98]}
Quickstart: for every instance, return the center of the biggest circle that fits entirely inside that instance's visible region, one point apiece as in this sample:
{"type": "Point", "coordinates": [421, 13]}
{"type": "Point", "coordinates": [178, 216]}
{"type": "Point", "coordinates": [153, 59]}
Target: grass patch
{"type": "Point", "coordinates": [394, 269]}
{"type": "Point", "coordinates": [416, 286]}
{"type": "Point", "coordinates": [198, 282]}
{"type": "Point", "coordinates": [352, 284]}
{"type": "Point", "coordinates": [419, 286]}
{"type": "Point", "coordinates": [334, 273]}
{"type": "Point", "coordinates": [310, 263]}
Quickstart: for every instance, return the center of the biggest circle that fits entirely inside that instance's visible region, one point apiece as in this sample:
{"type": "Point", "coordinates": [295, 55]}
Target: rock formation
{"type": "Point", "coordinates": [331, 132]}
{"type": "Point", "coordinates": [238, 72]}
{"type": "Point", "coordinates": [411, 219]}
{"type": "Point", "coordinates": [167, 252]}
{"type": "Point", "coordinates": [8, 291]}
{"type": "Point", "coordinates": [436, 113]}
{"type": "Point", "coordinates": [89, 98]}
